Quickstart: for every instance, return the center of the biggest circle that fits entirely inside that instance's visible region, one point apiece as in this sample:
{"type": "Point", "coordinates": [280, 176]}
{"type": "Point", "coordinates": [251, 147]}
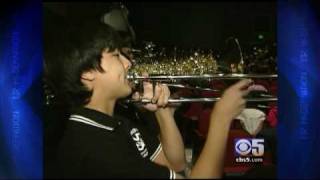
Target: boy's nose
{"type": "Point", "coordinates": [126, 62]}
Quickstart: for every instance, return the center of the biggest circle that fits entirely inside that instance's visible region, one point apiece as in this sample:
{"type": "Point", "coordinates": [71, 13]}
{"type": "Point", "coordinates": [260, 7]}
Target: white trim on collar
{"type": "Point", "coordinates": [89, 121]}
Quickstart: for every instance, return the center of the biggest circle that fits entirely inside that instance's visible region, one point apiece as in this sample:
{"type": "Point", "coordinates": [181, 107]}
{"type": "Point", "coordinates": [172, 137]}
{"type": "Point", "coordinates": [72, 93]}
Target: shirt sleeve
{"type": "Point", "coordinates": [148, 128]}
{"type": "Point", "coordinates": [151, 122]}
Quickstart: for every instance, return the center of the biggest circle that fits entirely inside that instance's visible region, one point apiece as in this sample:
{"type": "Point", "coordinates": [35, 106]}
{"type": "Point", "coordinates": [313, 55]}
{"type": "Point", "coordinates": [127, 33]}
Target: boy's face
{"type": "Point", "coordinates": [112, 83]}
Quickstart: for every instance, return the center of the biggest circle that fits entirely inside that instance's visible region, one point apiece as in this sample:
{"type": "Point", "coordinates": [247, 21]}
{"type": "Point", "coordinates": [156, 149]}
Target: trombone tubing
{"type": "Point", "coordinates": [185, 100]}
{"type": "Point", "coordinates": [216, 76]}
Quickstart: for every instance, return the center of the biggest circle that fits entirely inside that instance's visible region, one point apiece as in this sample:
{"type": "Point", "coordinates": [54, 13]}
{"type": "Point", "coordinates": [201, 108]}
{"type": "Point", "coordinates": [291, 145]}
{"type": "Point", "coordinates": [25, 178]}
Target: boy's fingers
{"type": "Point", "coordinates": [242, 84]}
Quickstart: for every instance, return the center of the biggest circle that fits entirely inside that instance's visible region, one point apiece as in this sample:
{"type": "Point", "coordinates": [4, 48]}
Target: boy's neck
{"type": "Point", "coordinates": [106, 107]}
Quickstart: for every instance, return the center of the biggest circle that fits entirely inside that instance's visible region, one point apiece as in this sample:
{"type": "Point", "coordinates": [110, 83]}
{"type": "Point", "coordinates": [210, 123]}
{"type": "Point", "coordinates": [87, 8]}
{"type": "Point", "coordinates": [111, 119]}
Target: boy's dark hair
{"type": "Point", "coordinates": [83, 52]}
{"type": "Point", "coordinates": [126, 39]}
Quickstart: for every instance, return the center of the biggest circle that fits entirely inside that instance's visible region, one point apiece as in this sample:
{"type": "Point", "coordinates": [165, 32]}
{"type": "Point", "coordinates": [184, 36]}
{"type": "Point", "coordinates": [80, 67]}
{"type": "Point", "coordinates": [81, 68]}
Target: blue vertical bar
{"type": "Point", "coordinates": [20, 87]}
{"type": "Point", "coordinates": [299, 75]}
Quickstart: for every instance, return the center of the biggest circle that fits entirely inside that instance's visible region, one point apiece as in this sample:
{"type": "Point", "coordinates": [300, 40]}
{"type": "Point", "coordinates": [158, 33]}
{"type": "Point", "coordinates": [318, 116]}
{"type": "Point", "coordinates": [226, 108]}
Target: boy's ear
{"type": "Point", "coordinates": [88, 75]}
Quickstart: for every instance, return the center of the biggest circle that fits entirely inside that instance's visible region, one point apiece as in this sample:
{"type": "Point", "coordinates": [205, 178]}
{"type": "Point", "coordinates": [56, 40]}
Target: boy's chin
{"type": "Point", "coordinates": [126, 92]}
{"type": "Point", "coordinates": [129, 91]}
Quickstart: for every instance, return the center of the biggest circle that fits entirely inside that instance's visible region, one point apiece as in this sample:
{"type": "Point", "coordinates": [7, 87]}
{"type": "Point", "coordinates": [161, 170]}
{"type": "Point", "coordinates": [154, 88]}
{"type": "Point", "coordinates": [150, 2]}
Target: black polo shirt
{"type": "Point", "coordinates": [96, 145]}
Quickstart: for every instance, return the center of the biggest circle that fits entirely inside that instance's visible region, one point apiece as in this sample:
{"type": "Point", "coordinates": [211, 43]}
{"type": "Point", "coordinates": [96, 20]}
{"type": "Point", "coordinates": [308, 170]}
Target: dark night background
{"type": "Point", "coordinates": [185, 24]}
{"type": "Point", "coordinates": [203, 25]}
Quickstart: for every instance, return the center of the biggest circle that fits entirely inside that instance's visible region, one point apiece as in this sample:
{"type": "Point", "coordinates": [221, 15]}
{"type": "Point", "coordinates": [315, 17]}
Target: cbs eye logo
{"type": "Point", "coordinates": [248, 147]}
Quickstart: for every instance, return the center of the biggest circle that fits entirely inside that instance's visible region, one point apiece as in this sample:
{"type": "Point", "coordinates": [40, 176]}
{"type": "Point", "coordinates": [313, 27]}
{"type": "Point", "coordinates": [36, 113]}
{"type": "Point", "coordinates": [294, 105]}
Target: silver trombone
{"type": "Point", "coordinates": [190, 100]}
{"type": "Point", "coordinates": [160, 78]}
{"type": "Point", "coordinates": [204, 76]}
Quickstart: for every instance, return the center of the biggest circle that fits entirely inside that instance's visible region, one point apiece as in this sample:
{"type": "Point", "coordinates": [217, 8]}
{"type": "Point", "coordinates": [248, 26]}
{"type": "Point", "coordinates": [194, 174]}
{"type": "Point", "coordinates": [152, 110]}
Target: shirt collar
{"type": "Point", "coordinates": [95, 118]}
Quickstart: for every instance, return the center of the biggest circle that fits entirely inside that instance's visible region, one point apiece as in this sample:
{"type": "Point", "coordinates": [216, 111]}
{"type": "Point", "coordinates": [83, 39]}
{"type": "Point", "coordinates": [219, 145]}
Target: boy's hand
{"type": "Point", "coordinates": [232, 101]}
{"type": "Point", "coordinates": [158, 94]}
